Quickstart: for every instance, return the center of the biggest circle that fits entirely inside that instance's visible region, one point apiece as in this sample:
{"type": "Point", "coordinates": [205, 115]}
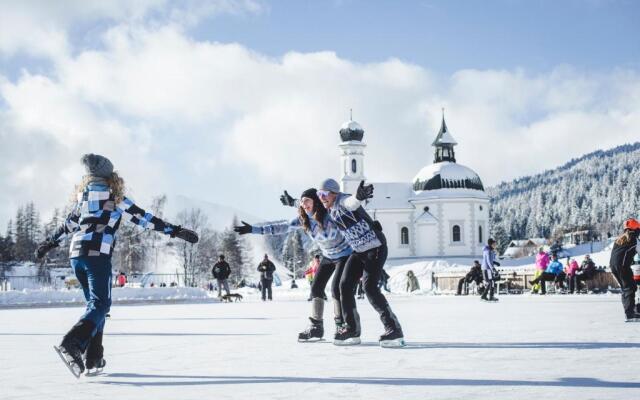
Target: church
{"type": "Point", "coordinates": [442, 212]}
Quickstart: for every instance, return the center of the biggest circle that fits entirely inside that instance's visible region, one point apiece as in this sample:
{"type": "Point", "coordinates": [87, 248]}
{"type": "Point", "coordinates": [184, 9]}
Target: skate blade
{"type": "Point", "coordinates": [312, 340]}
{"type": "Point", "coordinates": [94, 372]}
{"type": "Point", "coordinates": [347, 342]}
{"type": "Point", "coordinates": [73, 368]}
{"type": "Point", "coordinates": [393, 344]}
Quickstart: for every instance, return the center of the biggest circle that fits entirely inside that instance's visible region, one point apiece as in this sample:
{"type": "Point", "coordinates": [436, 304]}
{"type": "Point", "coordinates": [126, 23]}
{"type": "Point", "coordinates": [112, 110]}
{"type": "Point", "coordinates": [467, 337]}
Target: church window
{"type": "Point", "coordinates": [404, 235]}
{"type": "Point", "coordinates": [456, 233]}
{"type": "Point", "coordinates": [354, 165]}
{"type": "Point", "coordinates": [480, 233]}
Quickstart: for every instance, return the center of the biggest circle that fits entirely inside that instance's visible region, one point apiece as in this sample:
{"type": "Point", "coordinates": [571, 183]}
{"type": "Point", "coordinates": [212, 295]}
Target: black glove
{"type": "Point", "coordinates": [244, 228]}
{"type": "Point", "coordinates": [182, 233]}
{"type": "Point", "coordinates": [287, 200]}
{"type": "Point", "coordinates": [44, 247]}
{"type": "Point", "coordinates": [497, 264]}
{"type": "Point", "coordinates": [364, 192]}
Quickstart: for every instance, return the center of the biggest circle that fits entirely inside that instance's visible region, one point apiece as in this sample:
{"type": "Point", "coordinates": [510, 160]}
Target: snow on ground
{"type": "Point", "coordinates": [563, 347]}
{"type": "Point", "coordinates": [45, 297]}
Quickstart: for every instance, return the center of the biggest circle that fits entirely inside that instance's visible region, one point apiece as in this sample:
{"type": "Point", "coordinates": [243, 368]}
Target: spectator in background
{"type": "Point", "coordinates": [266, 269]}
{"type": "Point", "coordinates": [571, 269]}
{"type": "Point", "coordinates": [311, 271]}
{"type": "Point", "coordinates": [121, 279]}
{"type": "Point", "coordinates": [412, 282]}
{"type": "Point", "coordinates": [586, 272]}
{"type": "Point", "coordinates": [221, 271]}
{"type": "Point", "coordinates": [542, 262]}
{"type": "Point", "coordinates": [474, 275]}
{"type": "Point", "coordinates": [553, 273]}
{"type": "Point", "coordinates": [384, 281]}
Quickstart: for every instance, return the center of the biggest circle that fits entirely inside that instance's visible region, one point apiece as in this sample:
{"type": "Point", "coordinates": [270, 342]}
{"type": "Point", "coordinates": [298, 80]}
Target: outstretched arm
{"type": "Point", "coordinates": [136, 215]}
{"type": "Point", "coordinates": [269, 228]}
{"type": "Point", "coordinates": [363, 193]}
{"type": "Point", "coordinates": [68, 227]}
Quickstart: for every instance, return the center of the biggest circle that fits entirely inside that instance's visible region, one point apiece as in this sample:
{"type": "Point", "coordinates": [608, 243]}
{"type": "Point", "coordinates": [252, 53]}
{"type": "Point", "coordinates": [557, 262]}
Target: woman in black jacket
{"type": "Point", "coordinates": [624, 249]}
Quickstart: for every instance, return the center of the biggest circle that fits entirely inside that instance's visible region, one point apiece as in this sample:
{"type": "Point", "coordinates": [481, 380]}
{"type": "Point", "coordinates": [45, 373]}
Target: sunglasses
{"type": "Point", "coordinates": [323, 194]}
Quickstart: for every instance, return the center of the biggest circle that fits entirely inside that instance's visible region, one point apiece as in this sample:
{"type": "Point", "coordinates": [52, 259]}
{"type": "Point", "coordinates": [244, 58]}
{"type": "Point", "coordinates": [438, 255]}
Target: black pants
{"type": "Point", "coordinates": [489, 284]}
{"type": "Point", "coordinates": [547, 277]}
{"type": "Point", "coordinates": [325, 270]}
{"type": "Point", "coordinates": [624, 276]}
{"type": "Point", "coordinates": [367, 265]}
{"type": "Point", "coordinates": [266, 288]}
{"type": "Point", "coordinates": [462, 281]}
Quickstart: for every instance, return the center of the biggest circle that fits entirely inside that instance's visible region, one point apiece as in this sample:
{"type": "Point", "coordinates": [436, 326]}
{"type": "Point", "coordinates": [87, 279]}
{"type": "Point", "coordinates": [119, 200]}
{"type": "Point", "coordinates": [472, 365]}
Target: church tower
{"type": "Point", "coordinates": [352, 157]}
{"type": "Point", "coordinates": [444, 144]}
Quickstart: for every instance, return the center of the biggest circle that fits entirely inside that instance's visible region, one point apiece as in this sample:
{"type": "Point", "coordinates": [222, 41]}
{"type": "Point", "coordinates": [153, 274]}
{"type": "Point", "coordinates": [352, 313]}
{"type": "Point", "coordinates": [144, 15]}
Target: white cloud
{"type": "Point", "coordinates": [225, 123]}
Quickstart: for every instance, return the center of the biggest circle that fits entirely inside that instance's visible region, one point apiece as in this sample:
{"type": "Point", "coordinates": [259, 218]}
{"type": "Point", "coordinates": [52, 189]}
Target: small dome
{"type": "Point", "coordinates": [446, 175]}
{"type": "Point", "coordinates": [351, 130]}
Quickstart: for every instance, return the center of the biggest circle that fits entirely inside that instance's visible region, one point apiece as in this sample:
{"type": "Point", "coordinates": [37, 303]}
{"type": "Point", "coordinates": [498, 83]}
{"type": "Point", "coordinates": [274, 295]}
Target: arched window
{"type": "Point", "coordinates": [456, 233]}
{"type": "Point", "coordinates": [354, 166]}
{"type": "Point", "coordinates": [404, 235]}
{"type": "Point", "coordinates": [480, 234]}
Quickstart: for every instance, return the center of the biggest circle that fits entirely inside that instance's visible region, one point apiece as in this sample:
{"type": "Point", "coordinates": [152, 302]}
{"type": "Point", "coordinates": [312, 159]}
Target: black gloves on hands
{"type": "Point", "coordinates": [44, 247]}
{"type": "Point", "coordinates": [497, 264]}
{"type": "Point", "coordinates": [364, 192]}
{"type": "Point", "coordinates": [287, 200]}
{"type": "Point", "coordinates": [246, 228]}
{"type": "Point", "coordinates": [184, 234]}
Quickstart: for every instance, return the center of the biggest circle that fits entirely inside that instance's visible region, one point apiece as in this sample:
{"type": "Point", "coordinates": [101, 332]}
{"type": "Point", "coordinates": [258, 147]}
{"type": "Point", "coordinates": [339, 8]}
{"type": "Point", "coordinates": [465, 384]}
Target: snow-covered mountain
{"type": "Point", "coordinates": [598, 190]}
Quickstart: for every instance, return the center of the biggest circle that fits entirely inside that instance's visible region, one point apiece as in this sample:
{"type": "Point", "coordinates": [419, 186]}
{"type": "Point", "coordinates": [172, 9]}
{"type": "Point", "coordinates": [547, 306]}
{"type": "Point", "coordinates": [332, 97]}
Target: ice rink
{"type": "Point", "coordinates": [562, 347]}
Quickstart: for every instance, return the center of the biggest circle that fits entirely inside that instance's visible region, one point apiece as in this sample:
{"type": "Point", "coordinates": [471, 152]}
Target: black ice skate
{"type": "Point", "coordinates": [94, 366]}
{"type": "Point", "coordinates": [346, 337]}
{"type": "Point", "coordinates": [71, 355]}
{"type": "Point", "coordinates": [392, 338]}
{"type": "Point", "coordinates": [314, 333]}
{"type": "Point", "coordinates": [633, 318]}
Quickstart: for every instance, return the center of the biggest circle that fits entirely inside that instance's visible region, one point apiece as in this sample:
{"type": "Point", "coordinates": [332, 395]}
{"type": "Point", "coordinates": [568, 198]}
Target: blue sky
{"type": "Point", "coordinates": [232, 101]}
{"type": "Point", "coordinates": [446, 36]}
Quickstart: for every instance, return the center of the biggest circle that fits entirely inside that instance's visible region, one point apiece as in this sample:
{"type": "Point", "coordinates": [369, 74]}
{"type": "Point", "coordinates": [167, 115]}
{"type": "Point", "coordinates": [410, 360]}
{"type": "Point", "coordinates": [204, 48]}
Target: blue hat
{"type": "Point", "coordinates": [330, 185]}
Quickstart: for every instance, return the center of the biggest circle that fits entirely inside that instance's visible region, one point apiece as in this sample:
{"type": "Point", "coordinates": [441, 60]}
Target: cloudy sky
{"type": "Point", "coordinates": [233, 101]}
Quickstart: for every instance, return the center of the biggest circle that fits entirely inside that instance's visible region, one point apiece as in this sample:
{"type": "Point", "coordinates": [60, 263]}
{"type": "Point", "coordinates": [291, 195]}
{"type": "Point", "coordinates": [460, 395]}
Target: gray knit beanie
{"type": "Point", "coordinates": [330, 185]}
{"type": "Point", "coordinates": [97, 165]}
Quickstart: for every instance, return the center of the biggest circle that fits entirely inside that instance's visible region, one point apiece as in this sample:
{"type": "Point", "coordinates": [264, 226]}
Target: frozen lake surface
{"type": "Point", "coordinates": [563, 347]}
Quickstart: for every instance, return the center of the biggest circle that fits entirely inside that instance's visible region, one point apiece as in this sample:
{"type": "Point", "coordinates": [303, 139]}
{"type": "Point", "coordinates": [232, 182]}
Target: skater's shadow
{"type": "Point", "coordinates": [192, 319]}
{"type": "Point", "coordinates": [142, 334]}
{"type": "Point", "coordinates": [513, 345]}
{"type": "Point", "coordinates": [131, 379]}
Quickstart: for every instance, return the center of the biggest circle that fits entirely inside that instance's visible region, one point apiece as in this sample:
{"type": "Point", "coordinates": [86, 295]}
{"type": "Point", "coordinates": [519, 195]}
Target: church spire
{"type": "Point", "coordinates": [444, 144]}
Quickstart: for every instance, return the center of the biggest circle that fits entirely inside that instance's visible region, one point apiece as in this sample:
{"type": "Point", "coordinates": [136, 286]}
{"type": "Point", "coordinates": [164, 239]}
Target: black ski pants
{"type": "Point", "coordinates": [266, 288]}
{"type": "Point", "coordinates": [628, 286]}
{"type": "Point", "coordinates": [325, 270]}
{"type": "Point", "coordinates": [367, 265]}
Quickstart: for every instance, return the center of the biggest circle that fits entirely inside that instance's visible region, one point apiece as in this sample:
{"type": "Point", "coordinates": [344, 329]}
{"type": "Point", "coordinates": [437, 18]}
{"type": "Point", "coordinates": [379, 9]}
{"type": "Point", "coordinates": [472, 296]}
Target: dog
{"type": "Point", "coordinates": [228, 298]}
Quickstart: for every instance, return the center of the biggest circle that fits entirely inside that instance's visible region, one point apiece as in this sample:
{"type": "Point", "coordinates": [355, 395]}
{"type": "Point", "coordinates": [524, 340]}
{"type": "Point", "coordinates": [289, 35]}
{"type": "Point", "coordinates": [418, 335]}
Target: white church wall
{"type": "Point", "coordinates": [392, 223]}
{"type": "Point", "coordinates": [426, 240]}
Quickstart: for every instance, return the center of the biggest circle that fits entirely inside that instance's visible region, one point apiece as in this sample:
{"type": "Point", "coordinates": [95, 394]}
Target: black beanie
{"type": "Point", "coordinates": [309, 193]}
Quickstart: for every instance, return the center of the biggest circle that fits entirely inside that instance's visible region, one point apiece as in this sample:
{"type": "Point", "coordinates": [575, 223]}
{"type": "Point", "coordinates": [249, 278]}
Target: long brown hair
{"type": "Point", "coordinates": [319, 213]}
{"type": "Point", "coordinates": [624, 239]}
{"type": "Point", "coordinates": [115, 182]}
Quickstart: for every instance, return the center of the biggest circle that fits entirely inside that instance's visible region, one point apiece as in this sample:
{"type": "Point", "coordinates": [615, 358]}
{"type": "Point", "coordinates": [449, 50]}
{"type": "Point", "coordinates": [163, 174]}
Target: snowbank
{"type": "Point", "coordinates": [47, 297]}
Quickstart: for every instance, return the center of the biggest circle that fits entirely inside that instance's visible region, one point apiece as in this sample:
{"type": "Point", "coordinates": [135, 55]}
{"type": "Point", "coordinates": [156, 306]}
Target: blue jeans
{"type": "Point", "coordinates": [94, 274]}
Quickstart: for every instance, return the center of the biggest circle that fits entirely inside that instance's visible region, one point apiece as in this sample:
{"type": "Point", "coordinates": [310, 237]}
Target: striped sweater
{"type": "Point", "coordinates": [328, 237]}
{"type": "Point", "coordinates": [93, 222]}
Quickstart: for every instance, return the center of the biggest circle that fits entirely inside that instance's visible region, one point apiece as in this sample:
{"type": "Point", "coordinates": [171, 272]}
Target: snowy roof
{"type": "Point", "coordinates": [390, 195]}
{"type": "Point", "coordinates": [444, 136]}
{"type": "Point", "coordinates": [446, 175]}
{"type": "Point", "coordinates": [351, 130]}
{"type": "Point", "coordinates": [426, 218]}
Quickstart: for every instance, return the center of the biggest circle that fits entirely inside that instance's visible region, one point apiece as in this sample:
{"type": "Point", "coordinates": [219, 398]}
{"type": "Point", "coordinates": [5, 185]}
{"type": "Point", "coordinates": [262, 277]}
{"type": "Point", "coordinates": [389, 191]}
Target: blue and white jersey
{"type": "Point", "coordinates": [95, 219]}
{"type": "Point", "coordinates": [330, 240]}
{"type": "Point", "coordinates": [354, 222]}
